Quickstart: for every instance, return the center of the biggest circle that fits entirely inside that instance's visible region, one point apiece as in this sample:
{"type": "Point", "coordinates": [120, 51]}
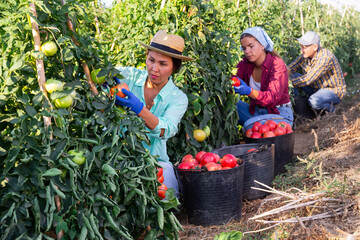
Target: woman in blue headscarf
{"type": "Point", "coordinates": [264, 78]}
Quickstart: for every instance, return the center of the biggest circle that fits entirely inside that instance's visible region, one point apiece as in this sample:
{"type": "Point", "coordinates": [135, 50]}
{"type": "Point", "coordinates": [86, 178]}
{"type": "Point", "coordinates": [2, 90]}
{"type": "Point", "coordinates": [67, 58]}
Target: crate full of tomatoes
{"type": "Point", "coordinates": [211, 187]}
{"type": "Point", "coordinates": [280, 134]}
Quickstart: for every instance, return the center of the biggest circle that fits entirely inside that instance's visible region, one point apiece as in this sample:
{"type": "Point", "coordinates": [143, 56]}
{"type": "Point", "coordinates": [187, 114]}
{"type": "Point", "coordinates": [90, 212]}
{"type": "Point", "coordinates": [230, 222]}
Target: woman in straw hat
{"type": "Point", "coordinates": [155, 98]}
{"type": "Point", "coordinates": [263, 78]}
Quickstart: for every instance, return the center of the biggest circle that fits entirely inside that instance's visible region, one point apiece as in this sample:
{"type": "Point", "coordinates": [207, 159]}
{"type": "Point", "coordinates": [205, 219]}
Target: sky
{"type": "Point", "coordinates": [336, 3]}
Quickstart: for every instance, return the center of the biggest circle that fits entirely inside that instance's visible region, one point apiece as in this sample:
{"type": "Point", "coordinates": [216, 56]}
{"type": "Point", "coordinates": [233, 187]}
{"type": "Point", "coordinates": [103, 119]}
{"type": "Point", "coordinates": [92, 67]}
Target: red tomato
{"type": "Point", "coordinates": [211, 166]}
{"type": "Point", "coordinates": [255, 135]}
{"type": "Point", "coordinates": [217, 157]}
{"type": "Point", "coordinates": [272, 124]}
{"type": "Point", "coordinates": [120, 86]}
{"type": "Point", "coordinates": [228, 160]}
{"type": "Point", "coordinates": [236, 82]}
{"type": "Point", "coordinates": [191, 161]}
{"type": "Point", "coordinates": [269, 134]}
{"type": "Point", "coordinates": [289, 131]}
{"type": "Point", "coordinates": [248, 132]}
{"type": "Point", "coordinates": [160, 172]}
{"type": "Point", "coordinates": [207, 157]}
{"type": "Point", "coordinates": [196, 167]}
{"type": "Point", "coordinates": [161, 178]}
{"type": "Point", "coordinates": [284, 125]}
{"type": "Point", "coordinates": [162, 190]}
{"type": "Point", "coordinates": [280, 131]}
{"type": "Point", "coordinates": [189, 156]}
{"type": "Point", "coordinates": [263, 129]}
{"type": "Point", "coordinates": [199, 155]}
{"type": "Point", "coordinates": [185, 165]}
{"type": "Point", "coordinates": [255, 127]}
{"type": "Point", "coordinates": [224, 168]}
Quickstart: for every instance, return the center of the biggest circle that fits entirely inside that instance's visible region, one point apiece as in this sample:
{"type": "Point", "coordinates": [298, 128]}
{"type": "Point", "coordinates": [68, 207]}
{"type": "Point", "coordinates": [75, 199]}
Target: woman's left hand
{"type": "Point", "coordinates": [131, 101]}
{"type": "Point", "coordinates": [243, 89]}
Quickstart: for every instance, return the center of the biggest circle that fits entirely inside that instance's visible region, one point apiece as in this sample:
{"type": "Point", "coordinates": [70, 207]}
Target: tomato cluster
{"type": "Point", "coordinates": [269, 129]}
{"type": "Point", "coordinates": [162, 188]}
{"type": "Point", "coordinates": [210, 161]}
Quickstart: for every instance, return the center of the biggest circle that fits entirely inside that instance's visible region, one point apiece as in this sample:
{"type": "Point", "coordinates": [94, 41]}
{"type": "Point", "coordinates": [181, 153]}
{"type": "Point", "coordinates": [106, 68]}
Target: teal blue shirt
{"type": "Point", "coordinates": [169, 106]}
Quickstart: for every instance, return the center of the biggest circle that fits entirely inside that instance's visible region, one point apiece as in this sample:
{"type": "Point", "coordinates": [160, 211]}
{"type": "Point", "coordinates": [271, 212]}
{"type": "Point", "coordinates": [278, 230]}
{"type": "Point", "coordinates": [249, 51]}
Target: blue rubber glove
{"type": "Point", "coordinates": [131, 101]}
{"type": "Point", "coordinates": [117, 80]}
{"type": "Point", "coordinates": [243, 89]}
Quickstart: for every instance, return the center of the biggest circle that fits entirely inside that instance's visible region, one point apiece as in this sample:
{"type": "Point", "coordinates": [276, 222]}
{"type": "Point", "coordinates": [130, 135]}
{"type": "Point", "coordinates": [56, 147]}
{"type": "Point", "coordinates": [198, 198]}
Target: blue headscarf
{"type": "Point", "coordinates": [261, 36]}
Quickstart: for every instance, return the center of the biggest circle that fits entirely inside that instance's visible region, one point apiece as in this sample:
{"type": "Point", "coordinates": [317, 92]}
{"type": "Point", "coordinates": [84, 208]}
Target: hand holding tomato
{"type": "Point", "coordinates": [132, 101]}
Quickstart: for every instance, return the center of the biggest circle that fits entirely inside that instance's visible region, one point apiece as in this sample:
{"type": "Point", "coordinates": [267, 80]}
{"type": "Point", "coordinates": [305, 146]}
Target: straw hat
{"type": "Point", "coordinates": [168, 44]}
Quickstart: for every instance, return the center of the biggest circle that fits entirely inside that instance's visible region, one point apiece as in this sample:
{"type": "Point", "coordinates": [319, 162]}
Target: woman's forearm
{"type": "Point", "coordinates": [151, 121]}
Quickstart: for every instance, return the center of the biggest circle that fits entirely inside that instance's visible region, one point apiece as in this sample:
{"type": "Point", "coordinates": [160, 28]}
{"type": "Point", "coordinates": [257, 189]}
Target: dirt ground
{"type": "Point", "coordinates": [327, 156]}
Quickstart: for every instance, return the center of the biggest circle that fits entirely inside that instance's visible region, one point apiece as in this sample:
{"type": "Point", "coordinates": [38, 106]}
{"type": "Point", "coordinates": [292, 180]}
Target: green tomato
{"type": "Point", "coordinates": [207, 131]}
{"type": "Point", "coordinates": [53, 85]}
{"type": "Point", "coordinates": [98, 80]}
{"type": "Point", "coordinates": [78, 158]}
{"type": "Point", "coordinates": [49, 48]}
{"type": "Point", "coordinates": [64, 102]}
{"type": "Point", "coordinates": [63, 173]}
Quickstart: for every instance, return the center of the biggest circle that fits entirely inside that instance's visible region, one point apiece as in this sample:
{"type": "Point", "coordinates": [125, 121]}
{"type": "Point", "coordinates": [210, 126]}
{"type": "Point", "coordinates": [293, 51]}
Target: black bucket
{"type": "Point", "coordinates": [302, 107]}
{"type": "Point", "coordinates": [284, 149]}
{"type": "Point", "coordinates": [212, 198]}
{"type": "Point", "coordinates": [259, 165]}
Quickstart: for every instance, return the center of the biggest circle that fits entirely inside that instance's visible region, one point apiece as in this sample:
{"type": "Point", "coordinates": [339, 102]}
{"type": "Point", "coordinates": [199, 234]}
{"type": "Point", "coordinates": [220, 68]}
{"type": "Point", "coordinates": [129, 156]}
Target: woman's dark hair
{"type": "Point", "coordinates": [177, 64]}
{"type": "Point", "coordinates": [273, 52]}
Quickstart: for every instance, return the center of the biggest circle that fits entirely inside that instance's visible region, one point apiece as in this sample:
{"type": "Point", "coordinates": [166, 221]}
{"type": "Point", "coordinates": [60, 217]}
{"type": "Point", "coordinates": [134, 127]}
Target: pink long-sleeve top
{"type": "Point", "coordinates": [274, 88]}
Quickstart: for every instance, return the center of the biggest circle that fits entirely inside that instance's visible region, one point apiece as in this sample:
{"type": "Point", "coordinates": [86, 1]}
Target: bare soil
{"type": "Point", "coordinates": [327, 153]}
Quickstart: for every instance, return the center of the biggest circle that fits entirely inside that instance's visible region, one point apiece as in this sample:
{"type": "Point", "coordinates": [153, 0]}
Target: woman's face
{"type": "Point", "coordinates": [159, 67]}
{"type": "Point", "coordinates": [253, 50]}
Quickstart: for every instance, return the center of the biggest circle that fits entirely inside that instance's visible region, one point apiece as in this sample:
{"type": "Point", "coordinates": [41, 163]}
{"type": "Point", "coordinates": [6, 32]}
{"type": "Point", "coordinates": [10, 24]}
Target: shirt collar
{"type": "Point", "coordinates": [267, 61]}
{"type": "Point", "coordinates": [166, 90]}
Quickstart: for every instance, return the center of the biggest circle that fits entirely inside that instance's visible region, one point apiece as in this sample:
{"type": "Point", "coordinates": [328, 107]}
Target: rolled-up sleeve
{"type": "Point", "coordinates": [170, 118]}
{"type": "Point", "coordinates": [296, 64]}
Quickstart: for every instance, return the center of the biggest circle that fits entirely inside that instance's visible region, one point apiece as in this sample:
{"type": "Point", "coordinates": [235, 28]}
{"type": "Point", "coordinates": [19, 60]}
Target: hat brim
{"type": "Point", "coordinates": [304, 42]}
{"type": "Point", "coordinates": [185, 58]}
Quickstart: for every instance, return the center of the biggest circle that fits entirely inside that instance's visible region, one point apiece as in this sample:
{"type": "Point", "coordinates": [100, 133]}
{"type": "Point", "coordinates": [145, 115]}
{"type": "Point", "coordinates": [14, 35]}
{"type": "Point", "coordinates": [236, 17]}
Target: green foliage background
{"type": "Point", "coordinates": [117, 164]}
{"type": "Point", "coordinates": [212, 30]}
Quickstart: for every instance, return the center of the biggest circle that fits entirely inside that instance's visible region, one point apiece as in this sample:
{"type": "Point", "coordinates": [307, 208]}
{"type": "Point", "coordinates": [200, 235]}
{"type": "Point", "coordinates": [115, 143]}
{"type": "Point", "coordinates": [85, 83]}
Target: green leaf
{"type": "Point", "coordinates": [108, 170]}
{"type": "Point", "coordinates": [59, 149]}
{"type": "Point", "coordinates": [18, 63]}
{"type": "Point", "coordinates": [30, 110]}
{"type": "Point", "coordinates": [52, 172]}
{"type": "Point", "coordinates": [160, 215]}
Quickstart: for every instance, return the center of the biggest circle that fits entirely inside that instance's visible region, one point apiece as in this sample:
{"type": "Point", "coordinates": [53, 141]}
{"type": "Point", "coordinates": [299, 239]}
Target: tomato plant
{"type": "Point", "coordinates": [113, 194]}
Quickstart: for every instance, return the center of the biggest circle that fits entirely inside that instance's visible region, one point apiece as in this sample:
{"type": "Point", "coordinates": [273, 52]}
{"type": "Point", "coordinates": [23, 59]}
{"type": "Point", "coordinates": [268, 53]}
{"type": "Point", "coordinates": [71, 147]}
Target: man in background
{"type": "Point", "coordinates": [322, 78]}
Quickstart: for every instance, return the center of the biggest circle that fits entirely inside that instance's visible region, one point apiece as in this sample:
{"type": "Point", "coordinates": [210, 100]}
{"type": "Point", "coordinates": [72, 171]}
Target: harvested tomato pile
{"type": "Point", "coordinates": [269, 129]}
{"type": "Point", "coordinates": [209, 161]}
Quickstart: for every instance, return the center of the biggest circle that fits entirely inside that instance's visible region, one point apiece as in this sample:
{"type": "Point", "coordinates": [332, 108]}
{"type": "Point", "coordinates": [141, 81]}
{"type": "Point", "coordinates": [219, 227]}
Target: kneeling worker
{"type": "Point", "coordinates": [322, 79]}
